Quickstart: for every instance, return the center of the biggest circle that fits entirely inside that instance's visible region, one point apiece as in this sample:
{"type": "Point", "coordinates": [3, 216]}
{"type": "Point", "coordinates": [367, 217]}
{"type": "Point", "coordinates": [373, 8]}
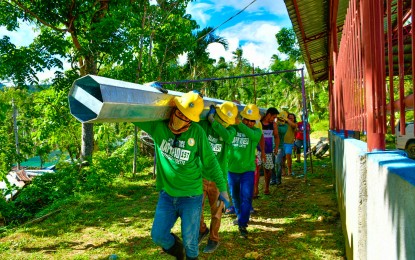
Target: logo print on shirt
{"type": "Point", "coordinates": [191, 141]}
{"type": "Point", "coordinates": [216, 148]}
{"type": "Point", "coordinates": [178, 154]}
{"type": "Point", "coordinates": [240, 140]}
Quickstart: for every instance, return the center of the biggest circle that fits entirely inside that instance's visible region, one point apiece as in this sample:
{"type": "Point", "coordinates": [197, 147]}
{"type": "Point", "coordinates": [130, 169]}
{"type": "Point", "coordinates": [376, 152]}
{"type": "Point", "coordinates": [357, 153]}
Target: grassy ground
{"type": "Point", "coordinates": [299, 220]}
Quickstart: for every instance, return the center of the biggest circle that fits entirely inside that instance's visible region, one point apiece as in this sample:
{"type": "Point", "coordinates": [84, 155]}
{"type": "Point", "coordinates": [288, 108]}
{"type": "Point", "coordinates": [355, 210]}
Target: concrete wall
{"type": "Point", "coordinates": [376, 197]}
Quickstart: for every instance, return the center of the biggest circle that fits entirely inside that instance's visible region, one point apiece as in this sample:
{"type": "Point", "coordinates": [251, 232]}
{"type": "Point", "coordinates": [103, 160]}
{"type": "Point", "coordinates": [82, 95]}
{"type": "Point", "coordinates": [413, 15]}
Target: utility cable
{"type": "Point", "coordinates": [230, 18]}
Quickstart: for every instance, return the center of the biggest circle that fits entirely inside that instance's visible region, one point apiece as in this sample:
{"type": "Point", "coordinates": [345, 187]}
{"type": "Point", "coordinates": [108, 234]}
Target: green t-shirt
{"type": "Point", "coordinates": [179, 169]}
{"type": "Point", "coordinates": [282, 129]}
{"type": "Point", "coordinates": [220, 139]}
{"type": "Point", "coordinates": [243, 149]}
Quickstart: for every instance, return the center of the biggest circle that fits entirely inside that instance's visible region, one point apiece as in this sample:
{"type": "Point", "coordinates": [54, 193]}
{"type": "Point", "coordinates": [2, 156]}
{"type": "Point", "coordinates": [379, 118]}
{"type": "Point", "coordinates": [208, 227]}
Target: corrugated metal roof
{"type": "Point", "coordinates": [310, 20]}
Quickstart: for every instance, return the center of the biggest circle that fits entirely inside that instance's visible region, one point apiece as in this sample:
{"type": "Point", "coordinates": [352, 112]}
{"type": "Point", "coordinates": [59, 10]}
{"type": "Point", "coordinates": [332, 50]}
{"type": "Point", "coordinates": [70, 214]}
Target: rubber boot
{"type": "Point", "coordinates": [191, 258]}
{"type": "Point", "coordinates": [177, 249]}
{"type": "Point", "coordinates": [267, 177]}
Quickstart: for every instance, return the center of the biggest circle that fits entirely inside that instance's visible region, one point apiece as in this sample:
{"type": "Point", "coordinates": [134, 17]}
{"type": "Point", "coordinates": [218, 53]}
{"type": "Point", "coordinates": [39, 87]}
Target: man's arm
{"type": "Point", "coordinates": [292, 124]}
{"type": "Point", "coordinates": [262, 148]}
{"type": "Point", "coordinates": [252, 133]}
{"type": "Point", "coordinates": [276, 138]}
{"type": "Point", "coordinates": [210, 164]}
{"type": "Point", "coordinates": [227, 134]}
{"type": "Point", "coordinates": [149, 127]}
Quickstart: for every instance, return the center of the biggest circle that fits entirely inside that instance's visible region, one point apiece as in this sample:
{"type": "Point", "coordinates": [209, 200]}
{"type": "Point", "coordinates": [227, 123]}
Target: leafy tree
{"type": "Point", "coordinates": [21, 65]}
{"type": "Point", "coordinates": [87, 31]}
{"type": "Point", "coordinates": [198, 58]}
{"type": "Point", "coordinates": [316, 93]}
{"type": "Point", "coordinates": [288, 44]}
{"type": "Point", "coordinates": [155, 37]}
{"type": "Point", "coordinates": [16, 98]}
{"type": "Point", "coordinates": [7, 149]}
{"type": "Point", "coordinates": [242, 66]}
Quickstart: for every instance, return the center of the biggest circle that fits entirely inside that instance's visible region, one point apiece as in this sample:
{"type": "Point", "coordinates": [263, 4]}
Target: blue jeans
{"type": "Point", "coordinates": [276, 175]}
{"type": "Point", "coordinates": [168, 210]}
{"type": "Point", "coordinates": [242, 188]}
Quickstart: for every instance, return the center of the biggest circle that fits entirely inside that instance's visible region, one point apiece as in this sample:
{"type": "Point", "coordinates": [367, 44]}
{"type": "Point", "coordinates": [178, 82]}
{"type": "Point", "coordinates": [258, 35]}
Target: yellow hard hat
{"type": "Point", "coordinates": [251, 112]}
{"type": "Point", "coordinates": [282, 116]}
{"type": "Point", "coordinates": [191, 105]}
{"type": "Point", "coordinates": [227, 111]}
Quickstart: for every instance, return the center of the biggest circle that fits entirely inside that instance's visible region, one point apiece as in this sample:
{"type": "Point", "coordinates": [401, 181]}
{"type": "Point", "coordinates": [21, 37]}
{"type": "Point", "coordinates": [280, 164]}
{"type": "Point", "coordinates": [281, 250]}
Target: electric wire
{"type": "Point", "coordinates": [230, 18]}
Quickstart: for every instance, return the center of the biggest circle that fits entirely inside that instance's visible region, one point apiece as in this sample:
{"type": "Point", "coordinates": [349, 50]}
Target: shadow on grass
{"type": "Point", "coordinates": [123, 203]}
{"type": "Point", "coordinates": [118, 221]}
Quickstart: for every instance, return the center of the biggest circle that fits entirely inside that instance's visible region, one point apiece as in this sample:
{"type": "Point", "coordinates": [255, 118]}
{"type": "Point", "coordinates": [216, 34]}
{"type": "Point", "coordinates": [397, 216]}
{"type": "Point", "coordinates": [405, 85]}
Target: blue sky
{"type": "Point", "coordinates": [253, 30]}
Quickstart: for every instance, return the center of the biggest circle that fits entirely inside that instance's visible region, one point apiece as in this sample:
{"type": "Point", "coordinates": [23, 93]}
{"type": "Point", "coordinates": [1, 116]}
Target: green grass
{"type": "Point", "coordinates": [118, 220]}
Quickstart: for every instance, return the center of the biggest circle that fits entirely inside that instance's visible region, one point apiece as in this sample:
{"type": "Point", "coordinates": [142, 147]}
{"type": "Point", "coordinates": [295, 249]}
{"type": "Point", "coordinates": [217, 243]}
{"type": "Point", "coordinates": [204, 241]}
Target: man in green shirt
{"type": "Point", "coordinates": [220, 136]}
{"type": "Point", "coordinates": [182, 151]}
{"type": "Point", "coordinates": [242, 165]}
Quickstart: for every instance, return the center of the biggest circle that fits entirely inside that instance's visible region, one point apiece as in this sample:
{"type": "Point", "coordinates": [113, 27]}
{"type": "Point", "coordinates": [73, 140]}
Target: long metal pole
{"type": "Point", "coordinates": [305, 123]}
{"type": "Point", "coordinates": [225, 78]}
{"type": "Point", "coordinates": [135, 149]}
{"type": "Point", "coordinates": [253, 71]}
{"type": "Point", "coordinates": [16, 133]}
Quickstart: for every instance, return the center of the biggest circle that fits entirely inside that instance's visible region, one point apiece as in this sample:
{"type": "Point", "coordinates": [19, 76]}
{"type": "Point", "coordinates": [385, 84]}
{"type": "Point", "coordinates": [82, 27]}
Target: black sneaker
{"type": "Point", "coordinates": [211, 246]}
{"type": "Point", "coordinates": [273, 183]}
{"type": "Point", "coordinates": [243, 232]}
{"type": "Point", "coordinates": [203, 235]}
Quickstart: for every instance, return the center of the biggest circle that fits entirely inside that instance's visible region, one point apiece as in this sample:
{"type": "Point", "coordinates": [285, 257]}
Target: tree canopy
{"type": "Point", "coordinates": [134, 41]}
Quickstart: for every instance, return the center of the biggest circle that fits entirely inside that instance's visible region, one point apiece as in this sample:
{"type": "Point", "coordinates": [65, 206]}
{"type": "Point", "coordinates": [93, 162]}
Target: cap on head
{"type": "Point", "coordinates": [227, 111]}
{"type": "Point", "coordinates": [283, 115]}
{"type": "Point", "coordinates": [251, 112]}
{"type": "Point", "coordinates": [191, 105]}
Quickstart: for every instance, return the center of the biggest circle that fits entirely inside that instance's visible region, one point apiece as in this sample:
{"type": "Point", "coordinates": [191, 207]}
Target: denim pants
{"type": "Point", "coordinates": [276, 174]}
{"type": "Point", "coordinates": [242, 187]}
{"type": "Point", "coordinates": [168, 210]}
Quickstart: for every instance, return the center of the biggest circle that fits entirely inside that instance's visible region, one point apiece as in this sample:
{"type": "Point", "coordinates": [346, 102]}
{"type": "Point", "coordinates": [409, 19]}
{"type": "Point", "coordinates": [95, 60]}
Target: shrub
{"type": "Point", "coordinates": [125, 155]}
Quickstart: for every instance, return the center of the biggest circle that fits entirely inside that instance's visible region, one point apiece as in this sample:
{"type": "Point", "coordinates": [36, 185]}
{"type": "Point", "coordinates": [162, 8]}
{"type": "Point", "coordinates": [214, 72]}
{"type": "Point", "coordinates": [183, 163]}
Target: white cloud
{"type": "Point", "coordinates": [257, 41]}
{"type": "Point", "coordinates": [22, 37]}
{"type": "Point", "coordinates": [275, 7]}
{"type": "Point", "coordinates": [217, 50]}
{"type": "Point", "coordinates": [47, 75]}
{"type": "Point", "coordinates": [199, 12]}
{"type": "Point", "coordinates": [182, 59]}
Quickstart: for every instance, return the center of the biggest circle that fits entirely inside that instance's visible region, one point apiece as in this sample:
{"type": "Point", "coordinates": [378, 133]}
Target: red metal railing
{"type": "Point", "coordinates": [376, 38]}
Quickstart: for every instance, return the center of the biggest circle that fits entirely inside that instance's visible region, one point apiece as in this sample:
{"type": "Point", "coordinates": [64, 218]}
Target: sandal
{"type": "Point", "coordinates": [230, 210]}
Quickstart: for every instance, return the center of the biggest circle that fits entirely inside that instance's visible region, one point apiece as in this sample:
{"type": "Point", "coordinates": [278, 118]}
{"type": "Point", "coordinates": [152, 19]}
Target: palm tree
{"type": "Point", "coordinates": [198, 57]}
